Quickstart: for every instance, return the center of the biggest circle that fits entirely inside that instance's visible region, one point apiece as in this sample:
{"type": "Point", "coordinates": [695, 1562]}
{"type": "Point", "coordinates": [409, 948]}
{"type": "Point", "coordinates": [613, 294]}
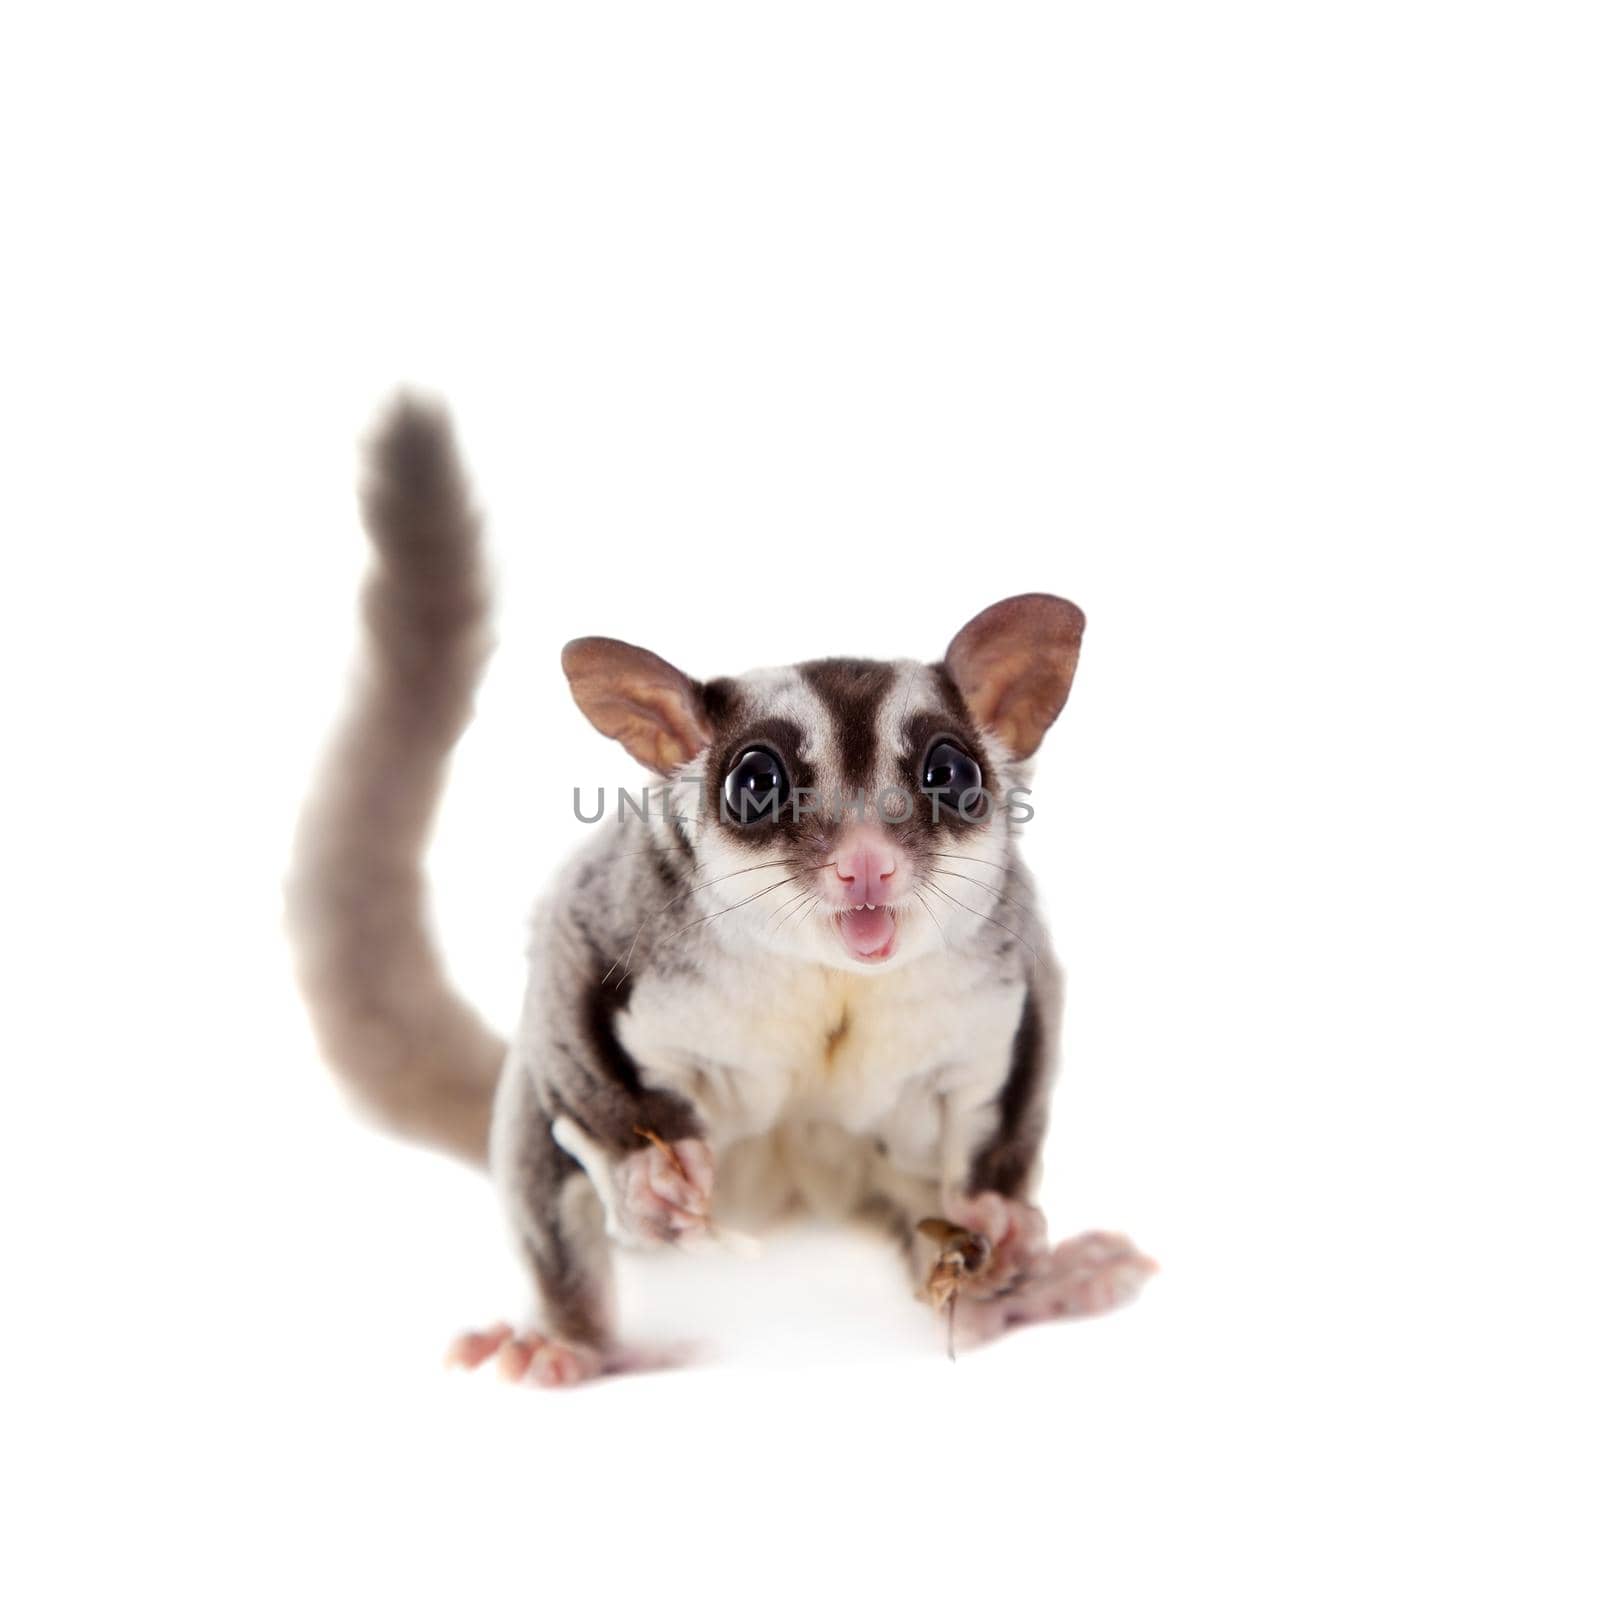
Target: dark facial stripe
{"type": "Point", "coordinates": [853, 692]}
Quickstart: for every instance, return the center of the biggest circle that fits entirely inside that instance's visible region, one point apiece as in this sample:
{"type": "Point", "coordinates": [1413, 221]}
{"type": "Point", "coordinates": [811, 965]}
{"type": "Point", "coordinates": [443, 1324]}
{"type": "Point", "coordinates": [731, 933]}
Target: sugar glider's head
{"type": "Point", "coordinates": [856, 813]}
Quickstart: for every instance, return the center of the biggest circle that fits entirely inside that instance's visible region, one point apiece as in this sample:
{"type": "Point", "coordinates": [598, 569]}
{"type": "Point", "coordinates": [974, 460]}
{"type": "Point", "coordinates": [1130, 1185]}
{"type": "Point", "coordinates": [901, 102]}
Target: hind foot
{"type": "Point", "coordinates": [530, 1357]}
{"type": "Point", "coordinates": [527, 1357]}
{"type": "Point", "coordinates": [1080, 1277]}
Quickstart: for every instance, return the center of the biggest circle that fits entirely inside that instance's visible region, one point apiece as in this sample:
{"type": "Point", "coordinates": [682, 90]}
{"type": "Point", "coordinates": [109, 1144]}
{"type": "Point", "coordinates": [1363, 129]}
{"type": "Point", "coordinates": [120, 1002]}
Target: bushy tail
{"type": "Point", "coordinates": [413, 1051]}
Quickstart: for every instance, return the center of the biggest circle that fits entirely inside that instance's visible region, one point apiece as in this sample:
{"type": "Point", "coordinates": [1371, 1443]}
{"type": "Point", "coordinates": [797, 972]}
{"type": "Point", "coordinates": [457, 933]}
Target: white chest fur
{"type": "Point", "coordinates": [765, 1043]}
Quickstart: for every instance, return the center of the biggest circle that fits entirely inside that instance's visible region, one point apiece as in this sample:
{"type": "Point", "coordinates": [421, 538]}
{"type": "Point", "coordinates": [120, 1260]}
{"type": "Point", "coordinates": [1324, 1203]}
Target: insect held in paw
{"type": "Point", "coordinates": [962, 1255]}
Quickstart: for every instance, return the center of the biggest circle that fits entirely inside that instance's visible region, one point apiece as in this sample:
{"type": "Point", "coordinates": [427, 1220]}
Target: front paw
{"type": "Point", "coordinates": [995, 1261]}
{"type": "Point", "coordinates": [1012, 1238]}
{"type": "Point", "coordinates": [664, 1192]}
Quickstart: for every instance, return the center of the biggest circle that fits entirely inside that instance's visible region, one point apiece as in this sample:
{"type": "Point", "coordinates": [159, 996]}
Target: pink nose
{"type": "Point", "coordinates": [865, 867]}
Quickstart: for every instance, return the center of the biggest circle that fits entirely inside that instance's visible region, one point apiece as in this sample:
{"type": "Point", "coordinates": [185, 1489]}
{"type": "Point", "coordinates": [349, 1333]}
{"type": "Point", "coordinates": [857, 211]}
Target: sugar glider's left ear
{"type": "Point", "coordinates": [1014, 664]}
{"type": "Point", "coordinates": [656, 712]}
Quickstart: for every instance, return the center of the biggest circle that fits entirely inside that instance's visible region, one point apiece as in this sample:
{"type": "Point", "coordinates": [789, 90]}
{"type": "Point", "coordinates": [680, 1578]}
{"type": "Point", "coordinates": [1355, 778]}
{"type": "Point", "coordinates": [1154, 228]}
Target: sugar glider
{"type": "Point", "coordinates": [813, 976]}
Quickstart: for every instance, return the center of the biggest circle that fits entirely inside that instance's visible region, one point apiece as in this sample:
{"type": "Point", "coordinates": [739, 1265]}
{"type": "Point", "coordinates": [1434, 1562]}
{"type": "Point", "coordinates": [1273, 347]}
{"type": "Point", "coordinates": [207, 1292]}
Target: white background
{"type": "Point", "coordinates": [1267, 333]}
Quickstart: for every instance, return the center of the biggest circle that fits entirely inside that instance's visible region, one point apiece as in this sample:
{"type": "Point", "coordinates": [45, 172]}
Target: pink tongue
{"type": "Point", "coordinates": [868, 933]}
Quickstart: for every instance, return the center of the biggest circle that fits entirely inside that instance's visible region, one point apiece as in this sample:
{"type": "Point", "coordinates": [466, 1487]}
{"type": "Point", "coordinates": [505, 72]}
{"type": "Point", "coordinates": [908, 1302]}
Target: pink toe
{"type": "Point", "coordinates": [515, 1359]}
{"type": "Point", "coordinates": [473, 1349]}
{"type": "Point", "coordinates": [558, 1365]}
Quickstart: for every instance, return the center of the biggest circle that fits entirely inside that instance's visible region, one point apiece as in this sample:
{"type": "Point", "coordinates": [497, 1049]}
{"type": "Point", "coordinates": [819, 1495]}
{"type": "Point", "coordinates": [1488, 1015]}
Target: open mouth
{"type": "Point", "coordinates": [868, 931]}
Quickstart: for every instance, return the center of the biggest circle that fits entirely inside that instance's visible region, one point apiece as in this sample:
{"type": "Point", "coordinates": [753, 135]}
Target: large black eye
{"type": "Point", "coordinates": [756, 786]}
{"type": "Point", "coordinates": [955, 778]}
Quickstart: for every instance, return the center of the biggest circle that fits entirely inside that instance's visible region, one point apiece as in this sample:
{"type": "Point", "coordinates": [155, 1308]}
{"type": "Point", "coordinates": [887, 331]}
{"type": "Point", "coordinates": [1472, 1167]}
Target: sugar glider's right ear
{"type": "Point", "coordinates": [656, 712]}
